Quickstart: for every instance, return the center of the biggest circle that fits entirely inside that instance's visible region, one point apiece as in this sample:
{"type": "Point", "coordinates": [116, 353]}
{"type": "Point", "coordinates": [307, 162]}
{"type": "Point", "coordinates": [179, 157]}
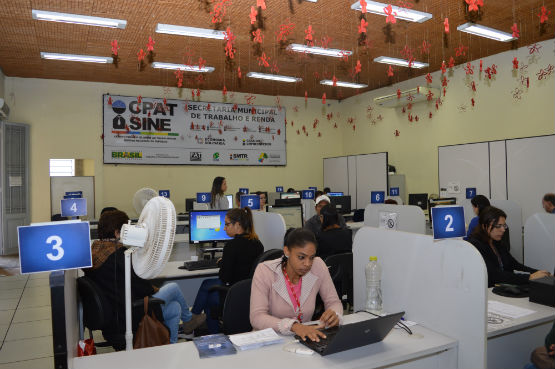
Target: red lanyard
{"type": "Point", "coordinates": [290, 285]}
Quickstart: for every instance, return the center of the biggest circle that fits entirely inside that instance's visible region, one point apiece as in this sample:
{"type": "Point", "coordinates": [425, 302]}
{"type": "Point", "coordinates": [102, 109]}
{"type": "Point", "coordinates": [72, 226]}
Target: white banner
{"type": "Point", "coordinates": [190, 132]}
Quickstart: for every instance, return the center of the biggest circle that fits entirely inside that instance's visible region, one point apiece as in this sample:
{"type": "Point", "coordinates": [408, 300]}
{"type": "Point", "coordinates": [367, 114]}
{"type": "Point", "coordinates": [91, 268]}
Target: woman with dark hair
{"type": "Point", "coordinates": [479, 202]}
{"type": "Point", "coordinates": [499, 262]}
{"type": "Point", "coordinates": [333, 239]}
{"type": "Point", "coordinates": [283, 292]}
{"type": "Point", "coordinates": [218, 201]}
{"type": "Point", "coordinates": [108, 272]}
{"type": "Point", "coordinates": [235, 265]}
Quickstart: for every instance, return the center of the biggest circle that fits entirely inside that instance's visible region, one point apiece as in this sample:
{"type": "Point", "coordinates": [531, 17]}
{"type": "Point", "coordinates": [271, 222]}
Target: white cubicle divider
{"type": "Point", "coordinates": [200, 206]}
{"type": "Point", "coordinates": [309, 208]}
{"type": "Point", "coordinates": [441, 285]}
{"type": "Point", "coordinates": [539, 241]}
{"type": "Point", "coordinates": [270, 228]}
{"type": "Point", "coordinates": [410, 218]}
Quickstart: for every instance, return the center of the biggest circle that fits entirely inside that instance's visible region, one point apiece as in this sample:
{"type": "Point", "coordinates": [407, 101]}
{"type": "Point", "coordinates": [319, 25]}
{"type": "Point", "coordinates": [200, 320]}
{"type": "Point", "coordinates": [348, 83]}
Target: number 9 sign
{"type": "Point", "coordinates": [448, 222]}
{"type": "Point", "coordinates": [204, 197]}
{"type": "Point", "coordinates": [377, 197]}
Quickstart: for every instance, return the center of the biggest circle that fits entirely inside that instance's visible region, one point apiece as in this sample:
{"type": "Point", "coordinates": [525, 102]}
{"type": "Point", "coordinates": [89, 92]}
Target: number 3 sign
{"type": "Point", "coordinates": [54, 246]}
{"type": "Point", "coordinates": [448, 222]}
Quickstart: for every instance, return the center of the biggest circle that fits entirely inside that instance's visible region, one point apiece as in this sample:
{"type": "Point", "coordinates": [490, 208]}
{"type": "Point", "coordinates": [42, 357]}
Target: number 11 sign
{"type": "Point", "coordinates": [448, 222]}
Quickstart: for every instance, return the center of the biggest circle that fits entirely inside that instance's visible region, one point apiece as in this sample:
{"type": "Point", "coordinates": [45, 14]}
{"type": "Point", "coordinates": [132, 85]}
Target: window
{"type": "Point", "coordinates": [62, 167]}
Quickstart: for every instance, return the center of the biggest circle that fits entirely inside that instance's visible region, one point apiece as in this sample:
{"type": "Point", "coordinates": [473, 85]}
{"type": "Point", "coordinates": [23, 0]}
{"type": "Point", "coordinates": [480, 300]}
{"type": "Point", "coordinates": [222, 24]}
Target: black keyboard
{"type": "Point", "coordinates": [200, 264]}
{"type": "Point", "coordinates": [323, 343]}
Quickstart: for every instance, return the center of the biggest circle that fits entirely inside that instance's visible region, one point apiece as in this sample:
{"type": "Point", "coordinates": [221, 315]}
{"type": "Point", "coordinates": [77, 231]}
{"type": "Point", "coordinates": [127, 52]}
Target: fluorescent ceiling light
{"type": "Point", "coordinates": [183, 67]}
{"type": "Point", "coordinates": [189, 31]}
{"type": "Point", "coordinates": [274, 77]}
{"type": "Point", "coordinates": [79, 58]}
{"type": "Point", "coordinates": [402, 13]}
{"type": "Point", "coordinates": [400, 62]}
{"type": "Point", "coordinates": [78, 19]}
{"type": "Point", "coordinates": [319, 50]}
{"type": "Point", "coordinates": [478, 30]}
{"type": "Point", "coordinates": [329, 82]}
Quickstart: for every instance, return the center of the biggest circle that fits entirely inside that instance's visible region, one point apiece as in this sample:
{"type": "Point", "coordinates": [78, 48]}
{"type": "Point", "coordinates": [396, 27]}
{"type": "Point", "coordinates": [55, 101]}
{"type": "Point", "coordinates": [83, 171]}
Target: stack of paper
{"type": "Point", "coordinates": [247, 341]}
{"type": "Point", "coordinates": [507, 310]}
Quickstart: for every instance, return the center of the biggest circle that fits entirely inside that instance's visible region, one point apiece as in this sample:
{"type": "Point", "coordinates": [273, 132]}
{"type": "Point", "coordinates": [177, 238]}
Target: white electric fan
{"type": "Point", "coordinates": [151, 242]}
{"type": "Point", "coordinates": [141, 197]}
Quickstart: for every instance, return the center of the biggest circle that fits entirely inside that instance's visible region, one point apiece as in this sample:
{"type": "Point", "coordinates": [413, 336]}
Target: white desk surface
{"type": "Point", "coordinates": [542, 314]}
{"type": "Point", "coordinates": [397, 347]}
{"type": "Point", "coordinates": [171, 271]}
{"type": "Point", "coordinates": [355, 225]}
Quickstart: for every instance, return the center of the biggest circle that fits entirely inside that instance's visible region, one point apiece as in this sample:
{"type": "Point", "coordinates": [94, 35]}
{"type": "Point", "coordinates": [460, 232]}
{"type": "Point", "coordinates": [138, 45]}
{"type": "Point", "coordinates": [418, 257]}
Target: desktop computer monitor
{"type": "Point", "coordinates": [272, 196]}
{"type": "Point", "coordinates": [207, 226]}
{"type": "Point", "coordinates": [289, 195]}
{"type": "Point", "coordinates": [288, 202]}
{"type": "Point", "coordinates": [292, 214]}
{"type": "Point", "coordinates": [419, 199]}
{"type": "Point", "coordinates": [335, 194]}
{"type": "Point", "coordinates": [441, 201]}
{"type": "Point", "coordinates": [230, 200]}
{"type": "Point", "coordinates": [341, 203]}
{"type": "Point", "coordinates": [189, 204]}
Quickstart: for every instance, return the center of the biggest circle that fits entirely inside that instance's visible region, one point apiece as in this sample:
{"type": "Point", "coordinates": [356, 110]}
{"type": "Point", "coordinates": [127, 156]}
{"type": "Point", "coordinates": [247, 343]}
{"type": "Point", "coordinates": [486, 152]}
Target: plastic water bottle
{"type": "Point", "coordinates": [373, 272]}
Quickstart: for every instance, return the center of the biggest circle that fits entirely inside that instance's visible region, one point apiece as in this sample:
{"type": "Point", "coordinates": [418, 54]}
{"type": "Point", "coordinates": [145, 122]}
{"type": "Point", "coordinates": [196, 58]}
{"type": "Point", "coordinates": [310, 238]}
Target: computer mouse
{"type": "Point", "coordinates": [514, 290]}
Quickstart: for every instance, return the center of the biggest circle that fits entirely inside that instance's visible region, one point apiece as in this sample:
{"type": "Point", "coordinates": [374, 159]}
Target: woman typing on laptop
{"type": "Point", "coordinates": [283, 294]}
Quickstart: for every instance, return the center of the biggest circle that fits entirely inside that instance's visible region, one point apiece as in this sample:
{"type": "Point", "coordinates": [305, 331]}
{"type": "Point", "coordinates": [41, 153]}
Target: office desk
{"type": "Point", "coordinates": [424, 349]}
{"type": "Point", "coordinates": [510, 344]}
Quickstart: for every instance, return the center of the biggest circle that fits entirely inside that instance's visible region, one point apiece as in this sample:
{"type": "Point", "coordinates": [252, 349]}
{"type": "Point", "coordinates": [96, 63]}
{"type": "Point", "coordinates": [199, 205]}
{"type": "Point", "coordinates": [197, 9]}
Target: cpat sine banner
{"type": "Point", "coordinates": [158, 131]}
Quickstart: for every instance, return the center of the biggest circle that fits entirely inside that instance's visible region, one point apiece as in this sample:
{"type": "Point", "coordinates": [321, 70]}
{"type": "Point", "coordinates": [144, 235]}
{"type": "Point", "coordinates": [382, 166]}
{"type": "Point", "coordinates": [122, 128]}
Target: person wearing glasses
{"type": "Point", "coordinates": [235, 265]}
{"type": "Point", "coordinates": [500, 264]}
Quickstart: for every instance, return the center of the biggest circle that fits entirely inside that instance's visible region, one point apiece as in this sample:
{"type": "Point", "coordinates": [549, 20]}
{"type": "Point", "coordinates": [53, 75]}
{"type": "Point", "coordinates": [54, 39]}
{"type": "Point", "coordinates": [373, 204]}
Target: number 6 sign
{"type": "Point", "coordinates": [54, 246]}
{"type": "Point", "coordinates": [448, 222]}
{"type": "Point", "coordinates": [377, 197]}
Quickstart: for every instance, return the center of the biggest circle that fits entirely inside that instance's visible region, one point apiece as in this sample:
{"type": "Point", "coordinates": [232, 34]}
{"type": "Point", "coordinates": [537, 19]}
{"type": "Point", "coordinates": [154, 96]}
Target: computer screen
{"type": "Point", "coordinates": [419, 199]}
{"type": "Point", "coordinates": [207, 226]}
{"type": "Point", "coordinates": [335, 194]}
{"type": "Point", "coordinates": [293, 215]}
{"type": "Point", "coordinates": [341, 203]}
{"type": "Point", "coordinates": [288, 202]}
{"type": "Point", "coordinates": [189, 204]}
{"type": "Point", "coordinates": [230, 200]}
{"type": "Point", "coordinates": [441, 201]}
{"type": "Point", "coordinates": [289, 195]}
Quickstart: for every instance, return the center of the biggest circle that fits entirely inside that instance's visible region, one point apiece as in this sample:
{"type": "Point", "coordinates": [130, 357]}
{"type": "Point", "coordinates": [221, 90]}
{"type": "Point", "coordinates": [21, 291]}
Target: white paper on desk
{"type": "Point", "coordinates": [507, 310]}
{"type": "Point", "coordinates": [255, 339]}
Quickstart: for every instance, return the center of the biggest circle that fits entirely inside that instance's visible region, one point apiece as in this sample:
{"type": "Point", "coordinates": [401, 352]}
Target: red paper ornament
{"type": "Point", "coordinates": [284, 31]}
{"type": "Point", "coordinates": [396, 133]}
{"type": "Point", "coordinates": [324, 98]}
{"type": "Point", "coordinates": [261, 4]}
{"type": "Point", "coordinates": [305, 97]}
{"type": "Point", "coordinates": [253, 14]}
{"type": "Point", "coordinates": [443, 67]}
{"type": "Point", "coordinates": [425, 48]}
{"type": "Point", "coordinates": [461, 50]}
{"type": "Point", "coordinates": [472, 101]}
{"type": "Point", "coordinates": [115, 47]}
{"type": "Point", "coordinates": [390, 71]}
{"type": "Point", "coordinates": [515, 63]}
{"type": "Point", "coordinates": [472, 5]}
{"type": "Point", "coordinates": [429, 78]}
{"type": "Point", "coordinates": [239, 75]}
{"type": "Point", "coordinates": [257, 36]}
{"type": "Point", "coordinates": [139, 99]}
{"type": "Point", "coordinates": [388, 10]}
{"type": "Point", "coordinates": [543, 15]}
{"type": "Point", "coordinates": [358, 67]}
{"type": "Point", "coordinates": [362, 26]}
{"type": "Point", "coordinates": [469, 68]}
{"type": "Point", "coordinates": [451, 62]}
{"type": "Point", "coordinates": [150, 44]}
{"type": "Point", "coordinates": [363, 5]}
{"type": "Point", "coordinates": [516, 32]}
{"type": "Point", "coordinates": [224, 91]}
{"type": "Point", "coordinates": [110, 100]}
{"type": "Point", "coordinates": [230, 41]}
{"type": "Point", "coordinates": [398, 93]}
{"type": "Point", "coordinates": [430, 115]}
{"type": "Point", "coordinates": [334, 80]}
{"type": "Point", "coordinates": [141, 55]}
{"type": "Point", "coordinates": [446, 25]}
{"type": "Point", "coordinates": [473, 86]}
{"type": "Point", "coordinates": [308, 36]}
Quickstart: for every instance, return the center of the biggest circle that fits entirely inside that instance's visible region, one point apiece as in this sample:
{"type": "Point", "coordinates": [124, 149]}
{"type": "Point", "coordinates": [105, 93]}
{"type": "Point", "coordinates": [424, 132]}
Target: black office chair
{"type": "Point", "coordinates": [358, 215]}
{"type": "Point", "coordinates": [98, 313]}
{"type": "Point", "coordinates": [235, 317]}
{"type": "Point", "coordinates": [266, 255]}
{"type": "Point", "coordinates": [341, 272]}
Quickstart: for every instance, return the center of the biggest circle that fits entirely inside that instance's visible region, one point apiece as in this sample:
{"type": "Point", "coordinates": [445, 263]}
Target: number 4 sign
{"type": "Point", "coordinates": [54, 246]}
{"type": "Point", "coordinates": [448, 222]}
{"type": "Point", "coordinates": [73, 207]}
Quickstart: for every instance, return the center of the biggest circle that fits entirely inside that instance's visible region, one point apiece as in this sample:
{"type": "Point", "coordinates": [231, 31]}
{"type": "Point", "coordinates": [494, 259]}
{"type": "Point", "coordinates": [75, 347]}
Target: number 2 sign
{"type": "Point", "coordinates": [448, 222]}
{"type": "Point", "coordinates": [54, 246]}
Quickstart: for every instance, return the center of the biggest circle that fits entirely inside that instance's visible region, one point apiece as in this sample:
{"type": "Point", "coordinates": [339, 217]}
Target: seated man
{"type": "Point", "coordinates": [314, 224]}
{"type": "Point", "coordinates": [548, 202]}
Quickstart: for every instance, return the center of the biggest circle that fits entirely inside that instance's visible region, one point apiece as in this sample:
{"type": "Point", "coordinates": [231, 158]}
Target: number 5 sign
{"type": "Point", "coordinates": [448, 222]}
{"type": "Point", "coordinates": [251, 201]}
{"type": "Point", "coordinates": [54, 246]}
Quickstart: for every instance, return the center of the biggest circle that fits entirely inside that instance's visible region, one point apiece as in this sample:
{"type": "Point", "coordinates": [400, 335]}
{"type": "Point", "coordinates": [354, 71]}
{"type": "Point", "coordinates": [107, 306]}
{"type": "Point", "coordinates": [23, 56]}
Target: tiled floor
{"type": "Point", "coordinates": [25, 322]}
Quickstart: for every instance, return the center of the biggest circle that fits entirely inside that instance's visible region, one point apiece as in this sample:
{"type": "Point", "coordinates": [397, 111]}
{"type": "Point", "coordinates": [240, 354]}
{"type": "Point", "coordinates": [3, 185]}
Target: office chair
{"type": "Point", "coordinates": [341, 272]}
{"type": "Point", "coordinates": [266, 255]}
{"type": "Point", "coordinates": [235, 317]}
{"type": "Point", "coordinates": [98, 313]}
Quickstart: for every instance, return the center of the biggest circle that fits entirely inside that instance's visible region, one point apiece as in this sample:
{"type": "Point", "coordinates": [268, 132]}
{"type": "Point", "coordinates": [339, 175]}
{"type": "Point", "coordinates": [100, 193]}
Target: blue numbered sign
{"type": "Point", "coordinates": [377, 197]}
{"type": "Point", "coordinates": [251, 201]}
{"type": "Point", "coordinates": [470, 192]}
{"type": "Point", "coordinates": [73, 196]}
{"type": "Point", "coordinates": [244, 191]}
{"type": "Point", "coordinates": [313, 188]}
{"type": "Point", "coordinates": [74, 193]}
{"type": "Point", "coordinates": [448, 222]}
{"type": "Point", "coordinates": [308, 194]}
{"type": "Point", "coordinates": [74, 207]}
{"type": "Point", "coordinates": [204, 197]}
{"type": "Point", "coordinates": [279, 188]}
{"type": "Point", "coordinates": [393, 191]}
{"type": "Point", "coordinates": [54, 246]}
{"type": "Point", "coordinates": [164, 193]}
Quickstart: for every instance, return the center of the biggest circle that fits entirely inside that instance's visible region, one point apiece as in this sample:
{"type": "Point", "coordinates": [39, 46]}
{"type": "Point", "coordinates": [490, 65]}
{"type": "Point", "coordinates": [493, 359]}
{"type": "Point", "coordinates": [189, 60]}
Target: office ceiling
{"type": "Point", "coordinates": [332, 21]}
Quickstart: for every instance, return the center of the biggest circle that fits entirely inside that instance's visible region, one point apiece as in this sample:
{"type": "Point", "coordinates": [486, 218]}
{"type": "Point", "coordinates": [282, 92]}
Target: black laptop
{"type": "Point", "coordinates": [353, 335]}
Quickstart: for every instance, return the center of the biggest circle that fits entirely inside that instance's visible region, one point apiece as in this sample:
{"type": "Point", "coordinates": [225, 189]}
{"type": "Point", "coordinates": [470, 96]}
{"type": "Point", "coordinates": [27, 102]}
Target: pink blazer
{"type": "Point", "coordinates": [271, 306]}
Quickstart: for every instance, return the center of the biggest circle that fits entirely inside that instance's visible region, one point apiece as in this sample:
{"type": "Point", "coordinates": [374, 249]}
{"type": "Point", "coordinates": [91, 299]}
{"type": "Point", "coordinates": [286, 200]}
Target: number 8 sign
{"type": "Point", "coordinates": [448, 222]}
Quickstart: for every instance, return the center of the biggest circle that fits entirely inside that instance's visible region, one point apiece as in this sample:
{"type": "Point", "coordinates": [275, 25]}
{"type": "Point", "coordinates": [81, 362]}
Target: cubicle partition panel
{"type": "Point", "coordinates": [270, 228]}
{"type": "Point", "coordinates": [309, 208]}
{"type": "Point", "coordinates": [357, 175]}
{"type": "Point", "coordinates": [514, 221]}
{"type": "Point", "coordinates": [441, 285]}
{"type": "Point", "coordinates": [409, 218]}
{"type": "Point", "coordinates": [539, 241]}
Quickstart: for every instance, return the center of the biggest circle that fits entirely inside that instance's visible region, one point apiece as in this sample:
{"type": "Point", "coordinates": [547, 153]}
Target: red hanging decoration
{"type": "Point", "coordinates": [284, 31]}
{"type": "Point", "coordinates": [139, 99]}
{"type": "Point", "coordinates": [430, 96]}
{"type": "Point", "coordinates": [323, 99]}
{"type": "Point", "coordinates": [481, 66]}
{"type": "Point", "coordinates": [388, 10]}
{"type": "Point", "coordinates": [230, 41]}
{"type": "Point", "coordinates": [516, 32]}
{"type": "Point", "coordinates": [257, 36]}
{"type": "Point", "coordinates": [179, 76]}
{"type": "Point", "coordinates": [390, 71]}
{"type": "Point", "coordinates": [543, 15]}
{"type": "Point", "coordinates": [305, 97]}
{"type": "Point", "coordinates": [253, 14]}
{"type": "Point", "coordinates": [141, 55]}
{"type": "Point", "coordinates": [398, 93]}
{"type": "Point", "coordinates": [308, 36]}
{"type": "Point", "coordinates": [443, 67]}
{"type": "Point", "coordinates": [363, 5]}
{"type": "Point", "coordinates": [469, 68]}
{"type": "Point", "coordinates": [239, 75]}
{"type": "Point", "coordinates": [261, 4]}
{"type": "Point", "coordinates": [396, 133]}
{"type": "Point", "coordinates": [198, 92]}
{"type": "Point", "coordinates": [334, 80]}
{"type": "Point", "coordinates": [430, 115]}
{"type": "Point", "coordinates": [473, 86]}
{"type": "Point", "coordinates": [219, 10]}
{"type": "Point", "coordinates": [263, 60]}
{"type": "Point", "coordinates": [425, 48]}
{"type": "Point", "coordinates": [461, 50]}
{"type": "Point", "coordinates": [110, 100]}
{"type": "Point", "coordinates": [451, 62]}
{"type": "Point", "coordinates": [515, 63]}
{"type": "Point", "coordinates": [446, 25]}
{"type": "Point", "coordinates": [224, 91]}
{"type": "Point", "coordinates": [472, 101]}
{"type": "Point", "coordinates": [115, 47]}
{"type": "Point", "coordinates": [429, 78]}
{"type": "Point", "coordinates": [358, 67]}
{"type": "Point", "coordinates": [472, 5]}
{"type": "Point", "coordinates": [362, 26]}
{"type": "Point", "coordinates": [150, 45]}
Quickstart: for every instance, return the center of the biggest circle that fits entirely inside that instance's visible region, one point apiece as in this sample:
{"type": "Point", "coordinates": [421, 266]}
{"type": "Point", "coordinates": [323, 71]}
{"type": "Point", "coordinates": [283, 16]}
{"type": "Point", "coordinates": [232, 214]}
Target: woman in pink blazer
{"type": "Point", "coordinates": [284, 290]}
